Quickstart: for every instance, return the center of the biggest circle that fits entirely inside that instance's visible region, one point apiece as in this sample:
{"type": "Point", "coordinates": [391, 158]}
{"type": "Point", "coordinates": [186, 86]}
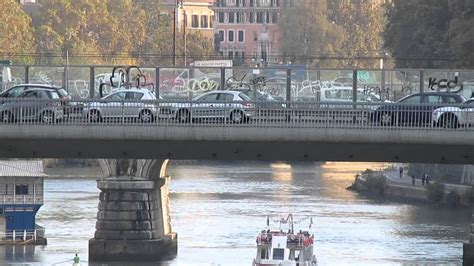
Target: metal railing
{"type": "Point", "coordinates": [282, 83]}
{"type": "Point", "coordinates": [277, 114]}
{"type": "Point", "coordinates": [22, 236]}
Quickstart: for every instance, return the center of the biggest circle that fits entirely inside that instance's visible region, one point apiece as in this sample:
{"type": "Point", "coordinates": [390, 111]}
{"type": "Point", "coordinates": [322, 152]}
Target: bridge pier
{"type": "Point", "coordinates": [468, 247]}
{"type": "Point", "coordinates": [133, 220]}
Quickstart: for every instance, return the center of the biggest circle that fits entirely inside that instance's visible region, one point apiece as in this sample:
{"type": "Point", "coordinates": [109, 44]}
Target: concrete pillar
{"type": "Point", "coordinates": [133, 220]}
{"type": "Point", "coordinates": [468, 247]}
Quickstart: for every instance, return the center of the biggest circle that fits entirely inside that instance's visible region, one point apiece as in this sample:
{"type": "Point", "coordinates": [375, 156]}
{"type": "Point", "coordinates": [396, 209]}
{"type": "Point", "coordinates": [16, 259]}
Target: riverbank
{"type": "Point", "coordinates": [388, 183]}
{"type": "Point", "coordinates": [87, 172]}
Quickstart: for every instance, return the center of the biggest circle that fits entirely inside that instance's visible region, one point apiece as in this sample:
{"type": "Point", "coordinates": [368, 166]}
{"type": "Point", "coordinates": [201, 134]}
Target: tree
{"type": "Point", "coordinates": [158, 41]}
{"type": "Point", "coordinates": [417, 33]}
{"type": "Point", "coordinates": [461, 33]}
{"type": "Point", "coordinates": [16, 35]}
{"type": "Point", "coordinates": [75, 27]}
{"type": "Point", "coordinates": [307, 34]}
{"type": "Point", "coordinates": [363, 23]}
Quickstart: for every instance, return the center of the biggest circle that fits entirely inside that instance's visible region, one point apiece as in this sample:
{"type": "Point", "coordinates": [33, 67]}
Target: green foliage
{"type": "Point", "coordinates": [320, 28]}
{"type": "Point", "coordinates": [307, 32]}
{"type": "Point", "coordinates": [436, 192]}
{"type": "Point", "coordinates": [16, 34]}
{"type": "Point", "coordinates": [362, 23]}
{"type": "Point", "coordinates": [375, 182]}
{"type": "Point", "coordinates": [110, 32]}
{"type": "Point", "coordinates": [427, 30]}
{"type": "Point", "coordinates": [453, 199]}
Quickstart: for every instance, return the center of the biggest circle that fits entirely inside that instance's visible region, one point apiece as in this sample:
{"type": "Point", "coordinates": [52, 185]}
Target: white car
{"type": "Point", "coordinates": [232, 105]}
{"type": "Point", "coordinates": [454, 116]}
{"type": "Point", "coordinates": [125, 103]}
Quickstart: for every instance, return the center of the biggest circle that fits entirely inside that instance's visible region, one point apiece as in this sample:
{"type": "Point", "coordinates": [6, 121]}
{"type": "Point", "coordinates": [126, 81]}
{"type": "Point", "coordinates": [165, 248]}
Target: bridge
{"type": "Point", "coordinates": [328, 139]}
{"type": "Point", "coordinates": [133, 217]}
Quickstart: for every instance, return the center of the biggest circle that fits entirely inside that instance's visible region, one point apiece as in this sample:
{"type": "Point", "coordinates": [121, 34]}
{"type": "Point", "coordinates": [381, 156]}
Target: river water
{"type": "Point", "coordinates": [219, 207]}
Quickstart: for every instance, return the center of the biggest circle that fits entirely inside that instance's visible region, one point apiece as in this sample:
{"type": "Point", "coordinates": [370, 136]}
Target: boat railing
{"type": "Point", "coordinates": [22, 236]}
{"type": "Point", "coordinates": [299, 240]}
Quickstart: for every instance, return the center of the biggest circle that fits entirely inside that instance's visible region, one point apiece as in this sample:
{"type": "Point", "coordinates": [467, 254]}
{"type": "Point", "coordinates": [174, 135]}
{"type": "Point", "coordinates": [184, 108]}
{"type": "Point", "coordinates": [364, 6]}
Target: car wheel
{"type": "Point", "coordinates": [47, 117]}
{"type": "Point", "coordinates": [449, 121]}
{"type": "Point", "coordinates": [183, 116]}
{"type": "Point", "coordinates": [94, 116]}
{"type": "Point", "coordinates": [146, 116]}
{"type": "Point", "coordinates": [237, 117]}
{"type": "Point", "coordinates": [7, 117]}
{"type": "Point", "coordinates": [386, 119]}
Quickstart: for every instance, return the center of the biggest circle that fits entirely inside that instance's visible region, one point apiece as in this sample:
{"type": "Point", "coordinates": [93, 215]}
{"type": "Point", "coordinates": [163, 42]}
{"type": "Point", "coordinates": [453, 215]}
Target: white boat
{"type": "Point", "coordinates": [285, 248]}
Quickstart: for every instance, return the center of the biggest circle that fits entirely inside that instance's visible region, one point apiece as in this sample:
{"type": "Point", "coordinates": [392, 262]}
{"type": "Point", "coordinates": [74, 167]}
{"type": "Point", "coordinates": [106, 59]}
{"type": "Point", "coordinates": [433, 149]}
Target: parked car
{"type": "Point", "coordinates": [125, 103]}
{"type": "Point", "coordinates": [454, 116]}
{"type": "Point", "coordinates": [232, 105]}
{"type": "Point", "coordinates": [41, 104]}
{"type": "Point", "coordinates": [17, 90]}
{"type": "Point", "coordinates": [415, 109]}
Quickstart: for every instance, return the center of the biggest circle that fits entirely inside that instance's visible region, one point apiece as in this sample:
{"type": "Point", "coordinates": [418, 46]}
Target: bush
{"type": "Point", "coordinates": [453, 199]}
{"type": "Point", "coordinates": [436, 192]}
{"type": "Point", "coordinates": [375, 182]}
{"type": "Point", "coordinates": [470, 194]}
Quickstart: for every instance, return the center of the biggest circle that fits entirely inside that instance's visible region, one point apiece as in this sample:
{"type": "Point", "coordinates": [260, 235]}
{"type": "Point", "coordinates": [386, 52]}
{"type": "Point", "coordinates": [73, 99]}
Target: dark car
{"type": "Point", "coordinates": [17, 90]}
{"type": "Point", "coordinates": [415, 109]}
{"type": "Point", "coordinates": [33, 104]}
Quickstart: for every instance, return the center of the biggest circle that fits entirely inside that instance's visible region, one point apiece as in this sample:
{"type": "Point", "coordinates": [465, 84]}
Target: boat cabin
{"type": "Point", "coordinates": [21, 196]}
{"type": "Point", "coordinates": [275, 247]}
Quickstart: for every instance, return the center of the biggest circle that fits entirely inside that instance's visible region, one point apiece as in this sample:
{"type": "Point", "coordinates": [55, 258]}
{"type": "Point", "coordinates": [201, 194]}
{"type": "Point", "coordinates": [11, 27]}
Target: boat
{"type": "Point", "coordinates": [278, 247]}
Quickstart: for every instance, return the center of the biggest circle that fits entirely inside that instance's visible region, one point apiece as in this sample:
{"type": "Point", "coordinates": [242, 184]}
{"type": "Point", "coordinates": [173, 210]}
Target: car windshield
{"type": "Point", "coordinates": [62, 92]}
{"type": "Point", "coordinates": [244, 97]}
{"type": "Point", "coordinates": [54, 95]}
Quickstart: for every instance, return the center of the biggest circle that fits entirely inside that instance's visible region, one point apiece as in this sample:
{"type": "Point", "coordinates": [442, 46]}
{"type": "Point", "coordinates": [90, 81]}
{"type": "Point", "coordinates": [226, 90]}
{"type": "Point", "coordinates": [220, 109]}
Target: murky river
{"type": "Point", "coordinates": [218, 209]}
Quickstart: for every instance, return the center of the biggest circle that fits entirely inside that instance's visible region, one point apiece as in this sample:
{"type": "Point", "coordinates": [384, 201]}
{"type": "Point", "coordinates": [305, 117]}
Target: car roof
{"type": "Point", "coordinates": [37, 85]}
{"type": "Point", "coordinates": [131, 90]}
{"type": "Point", "coordinates": [435, 93]}
{"type": "Point", "coordinates": [224, 91]}
{"type": "Point", "coordinates": [40, 89]}
{"type": "Point", "coordinates": [441, 93]}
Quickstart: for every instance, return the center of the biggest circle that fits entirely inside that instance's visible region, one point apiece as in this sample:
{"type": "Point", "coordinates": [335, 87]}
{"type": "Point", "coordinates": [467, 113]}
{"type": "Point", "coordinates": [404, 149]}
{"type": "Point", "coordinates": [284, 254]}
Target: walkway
{"type": "Point", "coordinates": [393, 178]}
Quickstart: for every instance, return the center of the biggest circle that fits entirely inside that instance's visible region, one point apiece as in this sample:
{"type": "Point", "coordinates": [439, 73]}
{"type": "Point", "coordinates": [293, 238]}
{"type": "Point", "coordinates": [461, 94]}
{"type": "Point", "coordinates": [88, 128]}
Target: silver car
{"type": "Point", "coordinates": [232, 105]}
{"type": "Point", "coordinates": [40, 104]}
{"type": "Point", "coordinates": [125, 103]}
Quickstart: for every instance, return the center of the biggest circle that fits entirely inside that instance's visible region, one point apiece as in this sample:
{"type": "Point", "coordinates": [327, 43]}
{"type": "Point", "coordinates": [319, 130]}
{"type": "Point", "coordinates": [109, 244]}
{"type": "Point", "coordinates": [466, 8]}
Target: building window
{"type": "Point", "coordinates": [231, 54]}
{"type": "Point", "coordinates": [230, 37]}
{"type": "Point", "coordinates": [239, 17]}
{"type": "Point", "coordinates": [275, 17]}
{"type": "Point", "coordinates": [221, 16]}
{"type": "Point", "coordinates": [240, 37]}
{"type": "Point", "coordinates": [259, 17]}
{"type": "Point", "coordinates": [4, 189]}
{"type": "Point", "coordinates": [231, 17]}
{"type": "Point", "coordinates": [21, 189]}
{"type": "Point", "coordinates": [255, 37]}
{"type": "Point", "coordinates": [252, 17]}
{"type": "Point", "coordinates": [211, 22]}
{"type": "Point", "coordinates": [221, 36]}
{"type": "Point", "coordinates": [195, 21]}
{"type": "Point", "coordinates": [204, 22]}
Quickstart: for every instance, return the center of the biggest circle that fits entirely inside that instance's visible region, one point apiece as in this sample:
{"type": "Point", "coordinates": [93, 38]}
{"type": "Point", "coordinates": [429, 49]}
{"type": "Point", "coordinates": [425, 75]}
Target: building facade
{"type": "Point", "coordinates": [248, 29]}
{"type": "Point", "coordinates": [193, 15]}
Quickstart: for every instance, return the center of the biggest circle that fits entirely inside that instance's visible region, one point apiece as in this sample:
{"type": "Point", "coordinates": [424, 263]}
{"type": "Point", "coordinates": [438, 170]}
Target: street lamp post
{"type": "Point", "coordinates": [174, 32]}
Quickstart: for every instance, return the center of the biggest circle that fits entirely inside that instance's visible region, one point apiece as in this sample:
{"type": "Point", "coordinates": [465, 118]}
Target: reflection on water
{"type": "Point", "coordinates": [219, 207]}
